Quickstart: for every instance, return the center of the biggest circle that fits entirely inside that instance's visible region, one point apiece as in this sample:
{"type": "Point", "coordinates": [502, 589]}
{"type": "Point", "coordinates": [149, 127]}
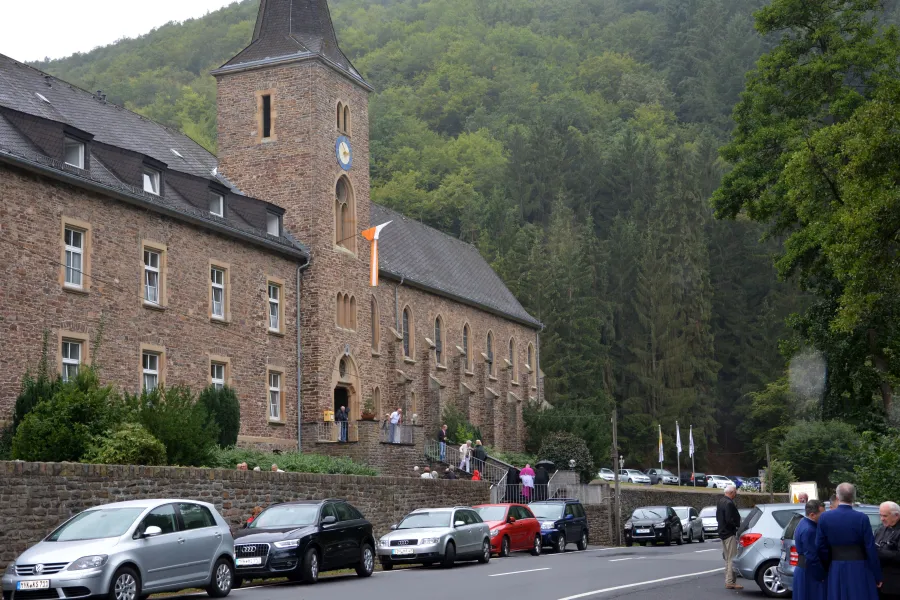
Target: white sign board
{"type": "Point", "coordinates": [804, 487]}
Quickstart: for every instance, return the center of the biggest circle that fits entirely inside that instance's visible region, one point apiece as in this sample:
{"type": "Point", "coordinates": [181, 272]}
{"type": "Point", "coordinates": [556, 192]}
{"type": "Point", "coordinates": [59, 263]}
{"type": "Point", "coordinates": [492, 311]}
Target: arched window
{"type": "Point", "coordinates": [339, 310]}
{"type": "Point", "coordinates": [376, 327]}
{"type": "Point", "coordinates": [347, 120]}
{"type": "Point", "coordinates": [344, 215]}
{"type": "Point", "coordinates": [407, 334]}
{"type": "Point", "coordinates": [376, 400]}
{"type": "Point", "coordinates": [465, 346]}
{"type": "Point", "coordinates": [413, 405]}
{"type": "Point", "coordinates": [512, 359]}
{"type": "Point", "coordinates": [438, 343]}
{"type": "Point", "coordinates": [340, 116]}
{"type": "Point", "coordinates": [490, 353]}
{"type": "Point", "coordinates": [346, 311]}
{"type": "Point", "coordinates": [531, 366]}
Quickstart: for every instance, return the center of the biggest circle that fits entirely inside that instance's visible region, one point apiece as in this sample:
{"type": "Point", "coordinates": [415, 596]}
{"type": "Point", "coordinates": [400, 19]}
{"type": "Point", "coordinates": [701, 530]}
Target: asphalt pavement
{"type": "Point", "coordinates": [688, 572]}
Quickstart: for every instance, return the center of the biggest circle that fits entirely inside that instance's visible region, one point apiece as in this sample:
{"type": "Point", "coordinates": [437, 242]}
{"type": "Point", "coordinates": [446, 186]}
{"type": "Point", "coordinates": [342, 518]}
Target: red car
{"type": "Point", "coordinates": [513, 528]}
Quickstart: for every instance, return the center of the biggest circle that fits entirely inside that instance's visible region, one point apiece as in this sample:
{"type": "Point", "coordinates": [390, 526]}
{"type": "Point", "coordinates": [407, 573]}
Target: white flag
{"type": "Point", "coordinates": [691, 442]}
{"type": "Point", "coordinates": [677, 438]}
{"type": "Point", "coordinates": [660, 445]}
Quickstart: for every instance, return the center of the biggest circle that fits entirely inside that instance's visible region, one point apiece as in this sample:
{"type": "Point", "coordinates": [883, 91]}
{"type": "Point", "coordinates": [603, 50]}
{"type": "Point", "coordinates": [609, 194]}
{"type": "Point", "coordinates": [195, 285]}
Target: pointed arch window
{"type": "Point", "coordinates": [376, 400]}
{"type": "Point", "coordinates": [438, 341]}
{"type": "Point", "coordinates": [513, 361]}
{"type": "Point", "coordinates": [344, 215]}
{"type": "Point", "coordinates": [407, 333]}
{"type": "Point", "coordinates": [376, 326]}
{"type": "Point", "coordinates": [340, 116]}
{"type": "Point", "coordinates": [346, 311]}
{"type": "Point", "coordinates": [532, 368]}
{"type": "Point", "coordinates": [490, 353]}
{"type": "Point", "coordinates": [465, 346]}
{"type": "Point", "coordinates": [347, 119]}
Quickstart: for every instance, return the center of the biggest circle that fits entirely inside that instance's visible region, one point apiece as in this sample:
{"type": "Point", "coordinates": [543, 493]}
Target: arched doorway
{"type": "Point", "coordinates": [345, 386]}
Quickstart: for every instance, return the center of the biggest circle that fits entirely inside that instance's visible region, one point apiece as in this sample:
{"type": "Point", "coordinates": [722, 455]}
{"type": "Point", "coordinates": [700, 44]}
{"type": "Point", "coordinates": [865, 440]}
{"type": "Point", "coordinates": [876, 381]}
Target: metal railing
{"type": "Point", "coordinates": [516, 493]}
{"type": "Point", "coordinates": [397, 434]}
{"type": "Point", "coordinates": [338, 432]}
{"type": "Point", "coordinates": [452, 456]}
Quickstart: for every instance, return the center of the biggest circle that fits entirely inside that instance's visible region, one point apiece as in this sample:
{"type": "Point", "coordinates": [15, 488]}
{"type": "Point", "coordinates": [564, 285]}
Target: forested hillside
{"type": "Point", "coordinates": [576, 144]}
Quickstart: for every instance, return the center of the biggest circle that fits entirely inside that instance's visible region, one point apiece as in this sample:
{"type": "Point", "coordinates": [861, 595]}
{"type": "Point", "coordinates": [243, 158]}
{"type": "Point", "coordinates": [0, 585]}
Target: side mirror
{"type": "Point", "coordinates": [459, 523]}
{"type": "Point", "coordinates": [569, 517]}
{"type": "Point", "coordinates": [692, 519]}
{"type": "Point", "coordinates": [394, 527]}
{"type": "Point", "coordinates": [151, 531]}
{"type": "Point", "coordinates": [329, 520]}
{"type": "Point", "coordinates": [511, 520]}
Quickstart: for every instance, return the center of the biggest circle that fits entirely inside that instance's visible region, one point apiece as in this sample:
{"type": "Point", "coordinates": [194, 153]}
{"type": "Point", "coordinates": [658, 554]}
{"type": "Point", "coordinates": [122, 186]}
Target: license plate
{"type": "Point", "coordinates": [403, 551]}
{"type": "Point", "coordinates": [643, 531]}
{"type": "Point", "coordinates": [245, 562]}
{"type": "Point", "coordinates": [37, 584]}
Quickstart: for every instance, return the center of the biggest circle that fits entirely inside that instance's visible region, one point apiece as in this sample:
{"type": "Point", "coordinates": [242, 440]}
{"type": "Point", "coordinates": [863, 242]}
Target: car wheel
{"type": "Point", "coordinates": [309, 568]}
{"type": "Point", "coordinates": [504, 547]}
{"type": "Point", "coordinates": [561, 543]}
{"type": "Point", "coordinates": [366, 561]}
{"type": "Point", "coordinates": [485, 557]}
{"type": "Point", "coordinates": [223, 579]}
{"type": "Point", "coordinates": [702, 536]}
{"type": "Point", "coordinates": [583, 542]}
{"type": "Point", "coordinates": [449, 556]}
{"type": "Point", "coordinates": [126, 585]}
{"type": "Point", "coordinates": [690, 537]}
{"type": "Point", "coordinates": [538, 546]}
{"type": "Point", "coordinates": [768, 581]}
{"type": "Point", "coordinates": [680, 538]}
{"type": "Point", "coordinates": [387, 565]}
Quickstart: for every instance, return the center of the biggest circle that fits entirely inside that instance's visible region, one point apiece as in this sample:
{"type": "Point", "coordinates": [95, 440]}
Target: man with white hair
{"type": "Point", "coordinates": [729, 520]}
{"type": "Point", "coordinates": [887, 540]}
{"type": "Point", "coordinates": [844, 541]}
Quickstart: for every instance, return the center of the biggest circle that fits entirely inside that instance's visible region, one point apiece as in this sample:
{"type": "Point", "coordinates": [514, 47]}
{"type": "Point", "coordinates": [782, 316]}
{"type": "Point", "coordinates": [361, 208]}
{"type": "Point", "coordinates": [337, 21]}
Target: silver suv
{"type": "Point", "coordinates": [430, 535]}
{"type": "Point", "coordinates": [127, 551]}
{"type": "Point", "coordinates": [759, 546]}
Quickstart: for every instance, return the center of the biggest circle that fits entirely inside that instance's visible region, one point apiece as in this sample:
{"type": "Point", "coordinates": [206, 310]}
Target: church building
{"type": "Point", "coordinates": [126, 239]}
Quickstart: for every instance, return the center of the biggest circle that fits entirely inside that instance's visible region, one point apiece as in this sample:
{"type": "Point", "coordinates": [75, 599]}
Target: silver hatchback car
{"type": "Point", "coordinates": [759, 546]}
{"type": "Point", "coordinates": [127, 551]}
{"type": "Point", "coordinates": [436, 535]}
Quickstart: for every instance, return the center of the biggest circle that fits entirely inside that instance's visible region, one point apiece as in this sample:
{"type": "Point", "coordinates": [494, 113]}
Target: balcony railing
{"type": "Point", "coordinates": [397, 434]}
{"type": "Point", "coordinates": [338, 432]}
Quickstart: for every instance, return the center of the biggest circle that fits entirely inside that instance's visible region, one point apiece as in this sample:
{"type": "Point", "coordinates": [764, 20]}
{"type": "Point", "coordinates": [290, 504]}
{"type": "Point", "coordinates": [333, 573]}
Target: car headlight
{"type": "Point", "coordinates": [494, 532]}
{"type": "Point", "coordinates": [659, 524]}
{"type": "Point", "coordinates": [88, 562]}
{"type": "Point", "coordinates": [10, 568]}
{"type": "Point", "coordinates": [437, 540]}
{"type": "Point", "coordinates": [287, 544]}
{"type": "Point", "coordinates": [384, 543]}
{"type": "Point", "coordinates": [627, 525]}
{"type": "Point", "coordinates": [548, 525]}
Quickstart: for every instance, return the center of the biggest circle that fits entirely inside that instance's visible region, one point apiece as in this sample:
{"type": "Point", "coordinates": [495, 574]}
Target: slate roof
{"type": "Point", "coordinates": [288, 29]}
{"type": "Point", "coordinates": [441, 263]}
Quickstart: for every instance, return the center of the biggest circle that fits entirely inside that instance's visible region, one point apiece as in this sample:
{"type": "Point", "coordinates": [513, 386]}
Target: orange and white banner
{"type": "Point", "coordinates": [372, 234]}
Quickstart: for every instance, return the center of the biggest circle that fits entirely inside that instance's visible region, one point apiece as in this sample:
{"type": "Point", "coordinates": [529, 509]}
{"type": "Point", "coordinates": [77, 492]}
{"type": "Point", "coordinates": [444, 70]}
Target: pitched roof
{"type": "Point", "coordinates": [442, 264]}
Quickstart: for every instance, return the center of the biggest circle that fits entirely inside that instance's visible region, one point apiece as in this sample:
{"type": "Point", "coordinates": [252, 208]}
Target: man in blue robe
{"type": "Point", "coordinates": [809, 574]}
{"type": "Point", "coordinates": [846, 545]}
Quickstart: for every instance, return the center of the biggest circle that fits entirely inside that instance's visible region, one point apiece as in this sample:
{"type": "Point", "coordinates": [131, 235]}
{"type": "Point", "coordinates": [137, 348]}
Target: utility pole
{"type": "Point", "coordinates": [615, 468]}
{"type": "Point", "coordinates": [769, 474]}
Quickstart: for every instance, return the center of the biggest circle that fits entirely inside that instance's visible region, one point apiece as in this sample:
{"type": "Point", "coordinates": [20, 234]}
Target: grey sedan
{"type": "Point", "coordinates": [436, 535]}
{"type": "Point", "coordinates": [127, 551]}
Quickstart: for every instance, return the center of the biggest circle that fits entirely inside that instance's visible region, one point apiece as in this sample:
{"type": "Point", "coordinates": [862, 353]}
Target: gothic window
{"type": "Point", "coordinates": [407, 333]}
{"type": "Point", "coordinates": [340, 116]}
{"type": "Point", "coordinates": [438, 343]}
{"type": "Point", "coordinates": [532, 368]}
{"type": "Point", "coordinates": [490, 353]}
{"type": "Point", "coordinates": [465, 346]}
{"type": "Point", "coordinates": [512, 359]}
{"type": "Point", "coordinates": [344, 215]}
{"type": "Point", "coordinates": [376, 326]}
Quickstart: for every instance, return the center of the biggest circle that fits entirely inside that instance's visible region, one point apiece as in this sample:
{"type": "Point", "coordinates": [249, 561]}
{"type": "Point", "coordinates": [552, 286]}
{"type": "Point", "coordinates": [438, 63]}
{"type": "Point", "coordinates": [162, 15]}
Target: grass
{"type": "Point", "coordinates": [294, 462]}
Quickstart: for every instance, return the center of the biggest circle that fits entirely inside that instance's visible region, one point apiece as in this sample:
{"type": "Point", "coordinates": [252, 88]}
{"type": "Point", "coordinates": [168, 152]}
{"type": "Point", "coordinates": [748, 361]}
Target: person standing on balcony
{"type": "Point", "coordinates": [442, 439]}
{"type": "Point", "coordinates": [465, 454]}
{"type": "Point", "coordinates": [341, 417]}
{"type": "Point", "coordinates": [396, 419]}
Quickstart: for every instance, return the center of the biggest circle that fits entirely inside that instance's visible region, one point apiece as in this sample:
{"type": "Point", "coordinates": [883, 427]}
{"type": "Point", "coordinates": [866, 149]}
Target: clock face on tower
{"type": "Point", "coordinates": [343, 152]}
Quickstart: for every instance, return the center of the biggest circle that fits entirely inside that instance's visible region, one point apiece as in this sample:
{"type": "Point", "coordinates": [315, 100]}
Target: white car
{"type": "Point", "coordinates": [633, 476]}
{"type": "Point", "coordinates": [606, 475]}
{"type": "Point", "coordinates": [718, 481]}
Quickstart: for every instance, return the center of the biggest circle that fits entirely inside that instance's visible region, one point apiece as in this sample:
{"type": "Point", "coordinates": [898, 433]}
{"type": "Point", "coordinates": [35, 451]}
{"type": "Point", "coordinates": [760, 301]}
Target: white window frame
{"type": "Point", "coordinates": [73, 143]}
{"type": "Point", "coordinates": [217, 287]}
{"type": "Point", "coordinates": [217, 375]}
{"type": "Point", "coordinates": [275, 396]}
{"type": "Point", "coordinates": [273, 224]}
{"type": "Point", "coordinates": [70, 362]}
{"type": "Point", "coordinates": [71, 252]}
{"type": "Point", "coordinates": [274, 307]}
{"type": "Point", "coordinates": [148, 369]}
{"type": "Point", "coordinates": [217, 205]}
{"type": "Point", "coordinates": [149, 271]}
{"type": "Point", "coordinates": [151, 181]}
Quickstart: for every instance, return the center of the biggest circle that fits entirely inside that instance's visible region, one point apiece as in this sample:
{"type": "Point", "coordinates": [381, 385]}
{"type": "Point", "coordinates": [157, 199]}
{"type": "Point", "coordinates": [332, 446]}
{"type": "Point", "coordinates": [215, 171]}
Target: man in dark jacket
{"type": "Point", "coordinates": [541, 481]}
{"type": "Point", "coordinates": [342, 418]}
{"type": "Point", "coordinates": [887, 540]}
{"type": "Point", "coordinates": [729, 520]}
{"type": "Point", "coordinates": [480, 456]}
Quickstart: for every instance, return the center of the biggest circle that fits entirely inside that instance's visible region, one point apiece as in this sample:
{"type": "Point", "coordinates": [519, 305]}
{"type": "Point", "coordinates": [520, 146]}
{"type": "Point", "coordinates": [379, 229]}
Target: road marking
{"type": "Point", "coordinates": [710, 550]}
{"type": "Point", "coordinates": [631, 585]}
{"type": "Point", "coordinates": [579, 551]}
{"type": "Point", "coordinates": [517, 572]}
{"type": "Point", "coordinates": [619, 559]}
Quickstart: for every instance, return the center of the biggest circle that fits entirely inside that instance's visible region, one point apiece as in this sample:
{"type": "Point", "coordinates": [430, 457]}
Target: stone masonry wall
{"type": "Point", "coordinates": [35, 497]}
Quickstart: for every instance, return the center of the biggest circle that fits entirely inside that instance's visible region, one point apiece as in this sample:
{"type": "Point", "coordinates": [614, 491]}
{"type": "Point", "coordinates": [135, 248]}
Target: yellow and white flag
{"type": "Point", "coordinates": [372, 234]}
{"type": "Point", "coordinates": [660, 445]}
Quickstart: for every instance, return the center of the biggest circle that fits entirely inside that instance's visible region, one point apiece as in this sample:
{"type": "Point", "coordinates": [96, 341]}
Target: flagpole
{"type": "Point", "coordinates": [693, 469]}
{"type": "Point", "coordinates": [660, 448]}
{"type": "Point", "coordinates": [678, 448]}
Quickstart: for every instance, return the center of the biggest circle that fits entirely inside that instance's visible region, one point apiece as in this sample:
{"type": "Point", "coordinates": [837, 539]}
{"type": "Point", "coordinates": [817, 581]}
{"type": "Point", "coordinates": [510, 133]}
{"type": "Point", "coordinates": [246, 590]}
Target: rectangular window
{"type": "Point", "coordinates": [71, 359]}
{"type": "Point", "coordinates": [217, 375]}
{"type": "Point", "coordinates": [274, 307]}
{"type": "Point", "coordinates": [74, 240]}
{"type": "Point", "coordinates": [274, 396]}
{"type": "Point", "coordinates": [74, 153]}
{"type": "Point", "coordinates": [217, 281]}
{"type": "Point", "coordinates": [151, 181]}
{"type": "Point", "coordinates": [217, 205]}
{"type": "Point", "coordinates": [151, 276]}
{"type": "Point", "coordinates": [151, 370]}
{"type": "Point", "coordinates": [273, 224]}
{"type": "Point", "coordinates": [267, 116]}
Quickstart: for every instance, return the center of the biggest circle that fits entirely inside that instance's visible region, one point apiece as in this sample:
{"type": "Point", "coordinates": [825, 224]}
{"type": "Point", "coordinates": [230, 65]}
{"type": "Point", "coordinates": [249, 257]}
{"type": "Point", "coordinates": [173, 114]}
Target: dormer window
{"type": "Point", "coordinates": [151, 181]}
{"type": "Point", "coordinates": [273, 224]}
{"type": "Point", "coordinates": [74, 152]}
{"type": "Point", "coordinates": [217, 204]}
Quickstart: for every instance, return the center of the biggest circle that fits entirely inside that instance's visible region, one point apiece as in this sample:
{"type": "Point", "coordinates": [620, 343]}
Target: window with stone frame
{"type": "Point", "coordinates": [151, 369]}
{"type": "Point", "coordinates": [217, 296]}
{"type": "Point", "coordinates": [154, 276]}
{"type": "Point", "coordinates": [275, 304]}
{"type": "Point", "coordinates": [376, 326]}
{"type": "Point", "coordinates": [344, 215]}
{"type": "Point", "coordinates": [438, 341]}
{"type": "Point", "coordinates": [217, 374]}
{"type": "Point", "coordinates": [532, 368]}
{"type": "Point", "coordinates": [408, 341]}
{"type": "Point", "coordinates": [74, 242]}
{"type": "Point", "coordinates": [71, 358]}
{"type": "Point", "coordinates": [489, 350]}
{"type": "Point", "coordinates": [275, 396]}
{"type": "Point", "coordinates": [513, 360]}
{"type": "Point", "coordinates": [467, 334]}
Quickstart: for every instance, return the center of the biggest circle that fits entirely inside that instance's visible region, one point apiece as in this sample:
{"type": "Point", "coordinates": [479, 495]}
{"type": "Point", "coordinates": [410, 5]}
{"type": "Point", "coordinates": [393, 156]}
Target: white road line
{"type": "Point", "coordinates": [631, 585]}
{"type": "Point", "coordinates": [570, 553]}
{"type": "Point", "coordinates": [517, 572]}
{"type": "Point", "coordinates": [710, 550]}
{"type": "Point", "coordinates": [619, 559]}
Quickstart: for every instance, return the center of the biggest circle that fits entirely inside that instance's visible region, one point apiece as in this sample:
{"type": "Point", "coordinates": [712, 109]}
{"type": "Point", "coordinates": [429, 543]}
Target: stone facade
{"type": "Point", "coordinates": [35, 497]}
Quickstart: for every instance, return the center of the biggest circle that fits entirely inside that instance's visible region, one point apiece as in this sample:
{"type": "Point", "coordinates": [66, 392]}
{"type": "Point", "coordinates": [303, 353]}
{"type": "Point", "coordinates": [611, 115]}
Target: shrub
{"type": "Point", "coordinates": [782, 476]}
{"type": "Point", "coordinates": [458, 427]}
{"type": "Point", "coordinates": [129, 444]}
{"type": "Point", "coordinates": [516, 459]}
{"type": "Point", "coordinates": [295, 462]}
{"type": "Point", "coordinates": [820, 450]}
{"type": "Point", "coordinates": [561, 447]}
{"type": "Point", "coordinates": [63, 427]}
{"type": "Point", "coordinates": [877, 466]}
{"type": "Point", "coordinates": [174, 417]}
{"type": "Point", "coordinates": [224, 409]}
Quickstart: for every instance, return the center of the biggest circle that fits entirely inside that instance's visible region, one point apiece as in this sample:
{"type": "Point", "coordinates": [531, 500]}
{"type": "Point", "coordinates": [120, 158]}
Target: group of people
{"type": "Point", "coordinates": [429, 473]}
{"type": "Point", "coordinates": [242, 466]}
{"type": "Point", "coordinates": [471, 458]}
{"type": "Point", "coordinates": [839, 558]}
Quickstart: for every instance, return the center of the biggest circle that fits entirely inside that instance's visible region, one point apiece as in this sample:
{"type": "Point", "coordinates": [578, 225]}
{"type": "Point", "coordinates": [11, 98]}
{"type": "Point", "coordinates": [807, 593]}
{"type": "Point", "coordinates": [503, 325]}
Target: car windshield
{"type": "Point", "coordinates": [547, 511]}
{"type": "Point", "coordinates": [682, 513]}
{"type": "Point", "coordinates": [654, 512]}
{"type": "Point", "coordinates": [425, 519]}
{"type": "Point", "coordinates": [96, 524]}
{"type": "Point", "coordinates": [663, 472]}
{"type": "Point", "coordinates": [286, 515]}
{"type": "Point", "coordinates": [491, 513]}
{"type": "Point", "coordinates": [709, 511]}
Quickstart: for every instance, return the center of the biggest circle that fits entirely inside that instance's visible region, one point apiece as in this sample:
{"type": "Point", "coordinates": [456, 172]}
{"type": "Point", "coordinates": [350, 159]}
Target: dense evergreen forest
{"type": "Point", "coordinates": [577, 145]}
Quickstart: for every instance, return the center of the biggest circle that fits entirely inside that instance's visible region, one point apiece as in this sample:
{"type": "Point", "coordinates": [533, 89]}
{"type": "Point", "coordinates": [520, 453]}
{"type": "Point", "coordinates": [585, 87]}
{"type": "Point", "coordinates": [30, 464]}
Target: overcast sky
{"type": "Point", "coordinates": [34, 29]}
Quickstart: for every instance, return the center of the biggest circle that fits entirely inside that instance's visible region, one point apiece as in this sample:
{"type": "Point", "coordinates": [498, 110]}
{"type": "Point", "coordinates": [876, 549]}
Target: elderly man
{"type": "Point", "coordinates": [887, 540]}
{"type": "Point", "coordinates": [809, 574]}
{"type": "Point", "coordinates": [729, 520]}
{"type": "Point", "coordinates": [802, 498]}
{"type": "Point", "coordinates": [844, 541]}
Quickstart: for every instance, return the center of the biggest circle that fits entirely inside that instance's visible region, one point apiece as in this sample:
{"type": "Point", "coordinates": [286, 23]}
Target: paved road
{"type": "Point", "coordinates": [688, 572]}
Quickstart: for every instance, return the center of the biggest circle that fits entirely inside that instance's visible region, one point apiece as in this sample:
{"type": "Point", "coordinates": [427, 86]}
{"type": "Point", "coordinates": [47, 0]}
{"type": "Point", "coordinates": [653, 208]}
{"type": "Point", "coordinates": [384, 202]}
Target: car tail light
{"type": "Point", "coordinates": [748, 539]}
{"type": "Point", "coordinates": [795, 556]}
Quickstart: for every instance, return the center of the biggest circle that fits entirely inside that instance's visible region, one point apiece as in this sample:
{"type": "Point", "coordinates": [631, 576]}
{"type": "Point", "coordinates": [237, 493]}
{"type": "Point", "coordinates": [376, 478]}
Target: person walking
{"type": "Point", "coordinates": [396, 419]}
{"type": "Point", "coordinates": [844, 542]}
{"type": "Point", "coordinates": [465, 455]}
{"type": "Point", "coordinates": [442, 440]}
{"type": "Point", "coordinates": [809, 574]}
{"type": "Point", "coordinates": [342, 418]}
{"type": "Point", "coordinates": [887, 540]}
{"type": "Point", "coordinates": [480, 455]}
{"type": "Point", "coordinates": [729, 520]}
{"type": "Point", "coordinates": [527, 477]}
{"type": "Point", "coordinates": [541, 483]}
